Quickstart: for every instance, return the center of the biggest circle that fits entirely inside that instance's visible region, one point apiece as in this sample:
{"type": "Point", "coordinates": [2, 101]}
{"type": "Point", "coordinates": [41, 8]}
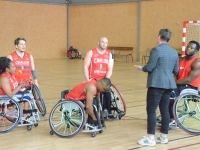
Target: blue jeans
{"type": "Point", "coordinates": [158, 97]}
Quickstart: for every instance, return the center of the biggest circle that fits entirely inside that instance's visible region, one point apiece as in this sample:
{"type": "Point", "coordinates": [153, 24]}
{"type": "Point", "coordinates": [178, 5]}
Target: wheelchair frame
{"type": "Point", "coordinates": [68, 118]}
{"type": "Point", "coordinates": [11, 112]}
{"type": "Point", "coordinates": [186, 111]}
{"type": "Point", "coordinates": [118, 104]}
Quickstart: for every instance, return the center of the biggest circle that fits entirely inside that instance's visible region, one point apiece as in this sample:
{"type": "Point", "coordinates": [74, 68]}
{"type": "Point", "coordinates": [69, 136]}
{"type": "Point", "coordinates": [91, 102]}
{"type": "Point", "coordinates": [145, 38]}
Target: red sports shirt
{"type": "Point", "coordinates": [23, 66]}
{"type": "Point", "coordinates": [13, 82]}
{"type": "Point", "coordinates": [77, 93]}
{"type": "Point", "coordinates": [99, 64]}
{"type": "Point", "coordinates": [185, 69]}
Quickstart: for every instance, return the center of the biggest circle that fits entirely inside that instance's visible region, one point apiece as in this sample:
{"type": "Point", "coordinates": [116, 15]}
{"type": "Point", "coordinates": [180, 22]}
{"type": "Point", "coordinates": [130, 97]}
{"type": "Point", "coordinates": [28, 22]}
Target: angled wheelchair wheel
{"type": "Point", "coordinates": [39, 100]}
{"type": "Point", "coordinates": [9, 115]}
{"type": "Point", "coordinates": [118, 102]}
{"type": "Point", "coordinates": [67, 118]}
{"type": "Point", "coordinates": [186, 112]}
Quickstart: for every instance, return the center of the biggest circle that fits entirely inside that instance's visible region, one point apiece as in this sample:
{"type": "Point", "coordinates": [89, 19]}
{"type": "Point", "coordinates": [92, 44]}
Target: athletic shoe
{"type": "Point", "coordinates": [111, 117]}
{"type": "Point", "coordinates": [162, 140]}
{"type": "Point", "coordinates": [146, 141]}
{"type": "Point", "coordinates": [105, 113]}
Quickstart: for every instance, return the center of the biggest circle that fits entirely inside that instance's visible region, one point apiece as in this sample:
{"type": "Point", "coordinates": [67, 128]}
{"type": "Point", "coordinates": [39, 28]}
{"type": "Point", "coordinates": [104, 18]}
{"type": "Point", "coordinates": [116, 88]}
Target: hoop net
{"type": "Point", "coordinates": [191, 31]}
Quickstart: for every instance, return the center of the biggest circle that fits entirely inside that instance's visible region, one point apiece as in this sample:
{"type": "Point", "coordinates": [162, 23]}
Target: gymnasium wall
{"type": "Point", "coordinates": [44, 25]}
{"type": "Point", "coordinates": [118, 22]}
{"type": "Point", "coordinates": [166, 14]}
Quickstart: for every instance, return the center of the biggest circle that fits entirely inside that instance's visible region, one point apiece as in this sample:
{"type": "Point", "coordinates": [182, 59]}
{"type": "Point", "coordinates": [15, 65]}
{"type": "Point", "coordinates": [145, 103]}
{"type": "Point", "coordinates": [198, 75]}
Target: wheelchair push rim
{"type": "Point", "coordinates": [39, 100]}
{"type": "Point", "coordinates": [10, 115]}
{"type": "Point", "coordinates": [67, 118]}
{"type": "Point", "coordinates": [119, 99]}
{"type": "Point", "coordinates": [186, 111]}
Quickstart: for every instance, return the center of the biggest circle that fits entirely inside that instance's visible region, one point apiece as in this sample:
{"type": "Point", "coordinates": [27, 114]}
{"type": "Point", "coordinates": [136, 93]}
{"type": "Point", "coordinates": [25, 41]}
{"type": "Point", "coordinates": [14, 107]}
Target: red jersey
{"type": "Point", "coordinates": [23, 66]}
{"type": "Point", "coordinates": [13, 83]}
{"type": "Point", "coordinates": [185, 69]}
{"type": "Point", "coordinates": [77, 93]}
{"type": "Point", "coordinates": [99, 64]}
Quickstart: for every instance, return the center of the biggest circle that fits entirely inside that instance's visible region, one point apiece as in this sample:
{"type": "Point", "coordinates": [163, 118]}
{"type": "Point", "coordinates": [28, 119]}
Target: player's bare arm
{"type": "Point", "coordinates": [90, 91]}
{"type": "Point", "coordinates": [110, 66]}
{"type": "Point", "coordinates": [5, 83]}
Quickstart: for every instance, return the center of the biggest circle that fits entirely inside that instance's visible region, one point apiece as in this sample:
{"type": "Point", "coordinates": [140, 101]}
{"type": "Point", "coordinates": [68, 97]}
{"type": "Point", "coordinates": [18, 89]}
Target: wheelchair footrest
{"type": "Point", "coordinates": [91, 128]}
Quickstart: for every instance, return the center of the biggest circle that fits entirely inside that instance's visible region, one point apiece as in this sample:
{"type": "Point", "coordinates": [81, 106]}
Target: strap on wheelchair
{"type": "Point", "coordinates": [29, 111]}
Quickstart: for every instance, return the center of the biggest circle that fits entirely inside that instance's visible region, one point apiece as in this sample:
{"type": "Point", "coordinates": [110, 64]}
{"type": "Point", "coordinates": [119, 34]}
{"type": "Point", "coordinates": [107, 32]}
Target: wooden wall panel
{"type": "Point", "coordinates": [118, 22]}
{"type": "Point", "coordinates": [170, 14]}
{"type": "Point", "coordinates": [43, 26]}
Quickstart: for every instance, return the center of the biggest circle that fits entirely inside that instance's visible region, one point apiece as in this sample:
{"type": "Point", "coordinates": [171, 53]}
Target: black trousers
{"type": "Point", "coordinates": [158, 97]}
{"type": "Point", "coordinates": [106, 100]}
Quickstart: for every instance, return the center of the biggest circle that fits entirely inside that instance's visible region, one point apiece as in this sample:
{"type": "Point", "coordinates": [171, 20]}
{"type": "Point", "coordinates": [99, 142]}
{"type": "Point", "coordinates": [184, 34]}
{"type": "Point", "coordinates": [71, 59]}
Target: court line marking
{"type": "Point", "coordinates": [184, 146]}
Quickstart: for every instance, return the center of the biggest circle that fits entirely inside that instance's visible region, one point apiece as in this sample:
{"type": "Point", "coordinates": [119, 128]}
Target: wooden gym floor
{"type": "Point", "coordinates": [56, 75]}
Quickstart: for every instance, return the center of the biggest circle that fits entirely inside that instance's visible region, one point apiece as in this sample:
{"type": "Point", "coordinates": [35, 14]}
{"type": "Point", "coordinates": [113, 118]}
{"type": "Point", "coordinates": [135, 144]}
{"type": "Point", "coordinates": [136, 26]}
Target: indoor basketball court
{"type": "Point", "coordinates": [48, 40]}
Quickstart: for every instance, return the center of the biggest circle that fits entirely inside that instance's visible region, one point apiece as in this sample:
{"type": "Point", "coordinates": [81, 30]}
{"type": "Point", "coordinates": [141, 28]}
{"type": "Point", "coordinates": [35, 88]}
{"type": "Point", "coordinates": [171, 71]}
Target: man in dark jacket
{"type": "Point", "coordinates": [161, 67]}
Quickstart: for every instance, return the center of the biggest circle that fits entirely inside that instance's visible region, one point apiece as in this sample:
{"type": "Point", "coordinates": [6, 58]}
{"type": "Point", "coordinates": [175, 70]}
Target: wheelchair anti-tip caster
{"type": "Point", "coordinates": [36, 124]}
{"type": "Point", "coordinates": [29, 127]}
{"type": "Point", "coordinates": [51, 133]}
{"type": "Point", "coordinates": [93, 134]}
{"type": "Point", "coordinates": [101, 131]}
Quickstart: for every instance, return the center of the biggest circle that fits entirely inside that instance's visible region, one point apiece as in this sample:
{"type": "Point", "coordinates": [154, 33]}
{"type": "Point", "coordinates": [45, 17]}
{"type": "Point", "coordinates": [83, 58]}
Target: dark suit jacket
{"type": "Point", "coordinates": [162, 65]}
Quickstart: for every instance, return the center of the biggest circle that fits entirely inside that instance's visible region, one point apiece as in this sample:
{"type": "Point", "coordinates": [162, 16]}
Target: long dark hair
{"type": "Point", "coordinates": [4, 63]}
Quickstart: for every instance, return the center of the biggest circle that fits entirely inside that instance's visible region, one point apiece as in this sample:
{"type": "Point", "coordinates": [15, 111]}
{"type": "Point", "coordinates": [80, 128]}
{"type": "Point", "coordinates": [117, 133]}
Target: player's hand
{"type": "Point", "coordinates": [23, 84]}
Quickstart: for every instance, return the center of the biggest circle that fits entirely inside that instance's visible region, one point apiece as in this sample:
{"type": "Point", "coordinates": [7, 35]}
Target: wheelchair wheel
{"type": "Point", "coordinates": [73, 54]}
{"type": "Point", "coordinates": [9, 115]}
{"type": "Point", "coordinates": [67, 118]}
{"type": "Point", "coordinates": [118, 102]}
{"type": "Point", "coordinates": [38, 100]}
{"type": "Point", "coordinates": [186, 112]}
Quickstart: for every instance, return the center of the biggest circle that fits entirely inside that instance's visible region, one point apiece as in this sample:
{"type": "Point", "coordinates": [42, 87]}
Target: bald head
{"type": "Point", "coordinates": [103, 39]}
{"type": "Point", "coordinates": [103, 43]}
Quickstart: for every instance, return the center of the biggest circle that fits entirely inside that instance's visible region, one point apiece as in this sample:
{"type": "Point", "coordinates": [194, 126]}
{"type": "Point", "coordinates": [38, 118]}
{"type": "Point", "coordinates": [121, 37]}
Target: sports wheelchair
{"type": "Point", "coordinates": [73, 53]}
{"type": "Point", "coordinates": [67, 118]}
{"type": "Point", "coordinates": [11, 111]}
{"type": "Point", "coordinates": [118, 104]}
{"type": "Point", "coordinates": [186, 111]}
